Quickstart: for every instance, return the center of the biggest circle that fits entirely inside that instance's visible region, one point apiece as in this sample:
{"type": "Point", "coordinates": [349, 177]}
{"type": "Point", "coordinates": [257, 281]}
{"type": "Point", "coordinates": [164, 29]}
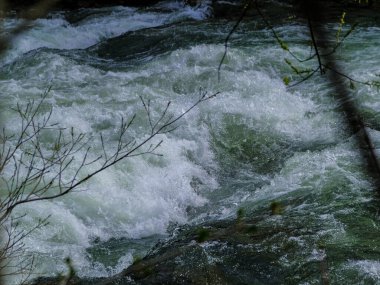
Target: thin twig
{"type": "Point", "coordinates": [245, 9]}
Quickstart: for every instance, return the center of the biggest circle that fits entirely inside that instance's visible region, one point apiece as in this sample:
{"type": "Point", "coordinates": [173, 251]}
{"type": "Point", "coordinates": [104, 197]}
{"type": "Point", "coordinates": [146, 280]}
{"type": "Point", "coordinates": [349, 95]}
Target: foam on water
{"type": "Point", "coordinates": [315, 174]}
{"type": "Point", "coordinates": [370, 270]}
{"type": "Point", "coordinates": [142, 196]}
{"type": "Point", "coordinates": [136, 199]}
{"type": "Point", "coordinates": [145, 194]}
{"type": "Point", "coordinates": [58, 33]}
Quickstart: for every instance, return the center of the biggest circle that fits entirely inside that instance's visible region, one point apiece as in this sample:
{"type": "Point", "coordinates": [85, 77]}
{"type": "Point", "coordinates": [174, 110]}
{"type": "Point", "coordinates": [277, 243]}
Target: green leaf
{"type": "Point", "coordinates": [286, 80]}
{"type": "Point", "coordinates": [276, 208]}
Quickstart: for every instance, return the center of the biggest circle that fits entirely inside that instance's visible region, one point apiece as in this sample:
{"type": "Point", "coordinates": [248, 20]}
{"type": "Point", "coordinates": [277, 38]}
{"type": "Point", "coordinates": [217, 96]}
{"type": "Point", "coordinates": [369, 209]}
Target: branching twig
{"type": "Point", "coordinates": [63, 157]}
{"type": "Point", "coordinates": [245, 9]}
{"type": "Point", "coordinates": [38, 173]}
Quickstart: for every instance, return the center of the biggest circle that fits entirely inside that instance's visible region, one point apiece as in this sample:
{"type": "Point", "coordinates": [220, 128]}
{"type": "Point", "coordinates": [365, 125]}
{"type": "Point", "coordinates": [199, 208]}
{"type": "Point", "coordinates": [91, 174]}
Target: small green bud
{"type": "Point", "coordinates": [286, 80]}
{"type": "Point", "coordinates": [276, 208]}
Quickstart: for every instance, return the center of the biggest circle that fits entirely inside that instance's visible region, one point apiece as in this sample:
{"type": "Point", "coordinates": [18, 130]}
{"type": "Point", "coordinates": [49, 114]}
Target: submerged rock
{"type": "Point", "coordinates": [223, 252]}
{"type": "Point", "coordinates": [217, 253]}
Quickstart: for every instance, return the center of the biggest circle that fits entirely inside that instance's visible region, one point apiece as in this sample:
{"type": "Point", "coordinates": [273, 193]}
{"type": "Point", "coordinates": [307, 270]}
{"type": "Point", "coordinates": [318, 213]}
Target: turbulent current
{"type": "Point", "coordinates": [256, 143]}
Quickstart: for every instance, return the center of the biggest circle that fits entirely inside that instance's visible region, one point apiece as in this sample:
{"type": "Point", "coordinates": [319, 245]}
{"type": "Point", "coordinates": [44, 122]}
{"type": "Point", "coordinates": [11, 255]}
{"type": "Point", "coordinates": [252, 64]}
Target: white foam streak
{"type": "Point", "coordinates": [58, 33]}
{"type": "Point", "coordinates": [369, 269]}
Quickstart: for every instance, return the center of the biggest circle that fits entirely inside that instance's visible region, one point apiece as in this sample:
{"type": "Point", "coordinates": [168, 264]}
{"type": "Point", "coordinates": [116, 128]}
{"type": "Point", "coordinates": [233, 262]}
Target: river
{"type": "Point", "coordinates": [256, 143]}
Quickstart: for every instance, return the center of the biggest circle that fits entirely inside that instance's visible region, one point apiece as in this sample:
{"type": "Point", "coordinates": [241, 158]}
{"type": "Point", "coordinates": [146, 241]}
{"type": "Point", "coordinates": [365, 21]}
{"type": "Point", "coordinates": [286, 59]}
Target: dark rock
{"type": "Point", "coordinates": [76, 4]}
{"type": "Point", "coordinates": [223, 257]}
{"type": "Point", "coordinates": [142, 45]}
{"type": "Point", "coordinates": [227, 254]}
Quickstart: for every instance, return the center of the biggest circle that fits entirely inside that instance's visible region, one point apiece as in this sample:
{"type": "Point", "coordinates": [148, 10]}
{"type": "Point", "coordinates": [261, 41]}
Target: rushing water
{"type": "Point", "coordinates": [256, 143]}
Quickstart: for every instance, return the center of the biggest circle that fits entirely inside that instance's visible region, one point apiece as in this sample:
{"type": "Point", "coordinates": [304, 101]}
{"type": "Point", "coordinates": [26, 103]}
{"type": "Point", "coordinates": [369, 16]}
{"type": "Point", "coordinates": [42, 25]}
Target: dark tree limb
{"type": "Point", "coordinates": [312, 10]}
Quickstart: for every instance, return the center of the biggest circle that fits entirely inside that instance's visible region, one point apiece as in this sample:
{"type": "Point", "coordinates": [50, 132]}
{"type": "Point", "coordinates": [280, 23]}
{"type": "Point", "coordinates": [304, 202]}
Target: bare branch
{"type": "Point", "coordinates": [245, 9]}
